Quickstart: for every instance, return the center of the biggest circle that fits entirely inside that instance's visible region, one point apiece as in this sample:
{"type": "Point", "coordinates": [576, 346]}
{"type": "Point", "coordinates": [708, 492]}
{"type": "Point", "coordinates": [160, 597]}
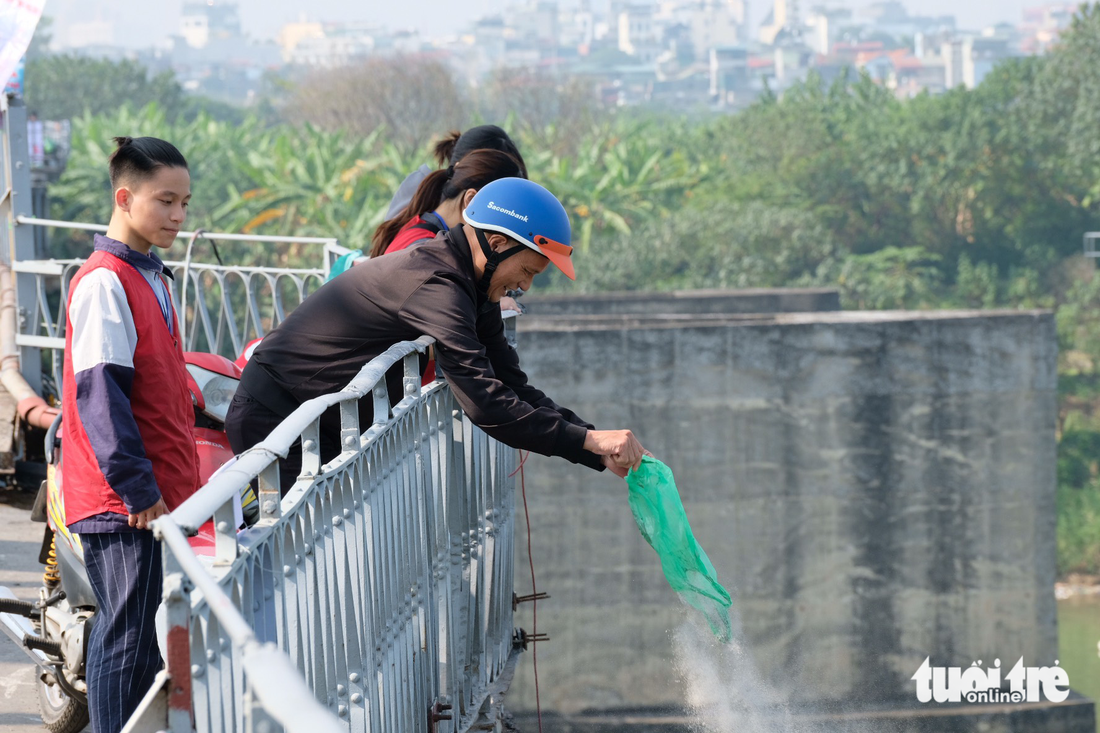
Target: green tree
{"type": "Point", "coordinates": [40, 41]}
{"type": "Point", "coordinates": [66, 86]}
{"type": "Point", "coordinates": [1062, 110]}
{"type": "Point", "coordinates": [550, 112]}
{"type": "Point", "coordinates": [414, 98]}
{"type": "Point", "coordinates": [893, 277]}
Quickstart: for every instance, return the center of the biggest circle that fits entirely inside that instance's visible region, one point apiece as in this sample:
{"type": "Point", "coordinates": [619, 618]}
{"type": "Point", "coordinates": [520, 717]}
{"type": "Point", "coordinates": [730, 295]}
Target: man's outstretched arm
{"type": "Point", "coordinates": [492, 404]}
{"type": "Point", "coordinates": [505, 363]}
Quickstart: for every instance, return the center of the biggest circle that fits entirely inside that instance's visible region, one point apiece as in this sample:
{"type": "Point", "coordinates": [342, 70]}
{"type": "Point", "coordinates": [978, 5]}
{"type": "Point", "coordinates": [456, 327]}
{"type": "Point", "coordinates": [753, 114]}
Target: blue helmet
{"type": "Point", "coordinates": [528, 213]}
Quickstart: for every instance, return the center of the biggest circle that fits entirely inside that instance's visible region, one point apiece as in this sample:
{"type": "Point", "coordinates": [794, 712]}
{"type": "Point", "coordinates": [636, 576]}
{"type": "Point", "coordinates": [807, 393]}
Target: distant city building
{"type": "Point", "coordinates": [329, 45]}
{"type": "Point", "coordinates": [824, 25]}
{"type": "Point", "coordinates": [783, 18]}
{"type": "Point", "coordinates": [535, 22]}
{"type": "Point", "coordinates": [292, 34]}
{"type": "Point", "coordinates": [680, 53]}
{"type": "Point", "coordinates": [577, 27]}
{"type": "Point", "coordinates": [730, 81]}
{"type": "Point", "coordinates": [638, 33]}
{"type": "Point", "coordinates": [983, 54]}
{"type": "Point", "coordinates": [330, 51]}
{"type": "Point", "coordinates": [968, 60]}
{"type": "Point", "coordinates": [953, 52]}
{"type": "Point", "coordinates": [792, 63]}
{"type": "Point", "coordinates": [1042, 25]}
{"type": "Point", "coordinates": [206, 22]}
{"type": "Point", "coordinates": [884, 13]}
{"type": "Point", "coordinates": [489, 38]}
{"type": "Point", "coordinates": [716, 23]}
{"type": "Point", "coordinates": [211, 55]}
{"type": "Point", "coordinates": [74, 36]}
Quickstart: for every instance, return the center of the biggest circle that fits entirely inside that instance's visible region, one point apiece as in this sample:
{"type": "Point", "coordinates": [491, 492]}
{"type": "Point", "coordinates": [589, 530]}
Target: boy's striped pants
{"type": "Point", "coordinates": [123, 659]}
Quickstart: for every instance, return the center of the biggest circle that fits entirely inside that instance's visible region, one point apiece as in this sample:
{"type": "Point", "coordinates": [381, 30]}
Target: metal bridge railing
{"type": "Point", "coordinates": [221, 309]}
{"type": "Point", "coordinates": [383, 579]}
{"type": "Point", "coordinates": [377, 595]}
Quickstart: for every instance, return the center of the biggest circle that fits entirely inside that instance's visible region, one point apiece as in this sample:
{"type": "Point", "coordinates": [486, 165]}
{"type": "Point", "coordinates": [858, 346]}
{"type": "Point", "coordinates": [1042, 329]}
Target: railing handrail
{"type": "Point", "coordinates": [202, 505]}
{"type": "Point", "coordinates": [54, 266]}
{"type": "Point", "coordinates": [201, 234]}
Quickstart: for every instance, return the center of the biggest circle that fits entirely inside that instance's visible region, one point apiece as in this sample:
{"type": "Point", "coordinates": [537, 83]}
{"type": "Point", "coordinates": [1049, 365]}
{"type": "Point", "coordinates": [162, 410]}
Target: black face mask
{"type": "Point", "coordinates": [492, 261]}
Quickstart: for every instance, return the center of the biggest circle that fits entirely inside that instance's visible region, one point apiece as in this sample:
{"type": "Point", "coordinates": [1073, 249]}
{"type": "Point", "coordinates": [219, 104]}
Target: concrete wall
{"type": "Point", "coordinates": [873, 488]}
{"type": "Point", "coordinates": [753, 300]}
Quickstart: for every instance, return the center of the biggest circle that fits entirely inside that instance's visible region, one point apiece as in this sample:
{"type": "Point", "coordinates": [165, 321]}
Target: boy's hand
{"type": "Point", "coordinates": [619, 445]}
{"type": "Point", "coordinates": [141, 520]}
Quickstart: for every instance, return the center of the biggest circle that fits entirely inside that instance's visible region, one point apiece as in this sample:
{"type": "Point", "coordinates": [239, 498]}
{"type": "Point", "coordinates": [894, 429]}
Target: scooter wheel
{"type": "Point", "coordinates": [60, 713]}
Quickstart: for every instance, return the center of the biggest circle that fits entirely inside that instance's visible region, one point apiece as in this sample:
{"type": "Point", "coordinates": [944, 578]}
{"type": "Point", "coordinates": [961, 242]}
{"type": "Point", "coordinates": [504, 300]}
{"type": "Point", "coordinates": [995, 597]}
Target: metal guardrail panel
{"type": "Point", "coordinates": [225, 307]}
{"type": "Point", "coordinates": [377, 590]}
{"type": "Point", "coordinates": [221, 309]}
{"type": "Point", "coordinates": [385, 577]}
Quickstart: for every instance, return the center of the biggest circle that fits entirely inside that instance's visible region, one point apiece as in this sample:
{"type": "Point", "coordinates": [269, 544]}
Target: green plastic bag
{"type": "Point", "coordinates": [660, 515]}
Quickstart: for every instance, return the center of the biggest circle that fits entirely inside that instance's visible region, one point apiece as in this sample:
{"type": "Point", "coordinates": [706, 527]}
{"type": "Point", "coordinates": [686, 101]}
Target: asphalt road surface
{"type": "Point", "coordinates": [20, 540]}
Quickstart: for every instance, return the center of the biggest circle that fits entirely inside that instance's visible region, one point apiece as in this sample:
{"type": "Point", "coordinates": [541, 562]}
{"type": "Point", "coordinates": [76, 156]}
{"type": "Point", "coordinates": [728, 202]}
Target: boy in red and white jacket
{"type": "Point", "coordinates": [129, 455]}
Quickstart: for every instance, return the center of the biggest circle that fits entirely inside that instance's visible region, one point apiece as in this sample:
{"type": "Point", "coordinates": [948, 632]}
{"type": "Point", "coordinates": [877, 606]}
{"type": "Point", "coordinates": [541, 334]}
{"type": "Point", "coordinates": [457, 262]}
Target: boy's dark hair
{"type": "Point", "coordinates": [456, 146]}
{"type": "Point", "coordinates": [137, 158]}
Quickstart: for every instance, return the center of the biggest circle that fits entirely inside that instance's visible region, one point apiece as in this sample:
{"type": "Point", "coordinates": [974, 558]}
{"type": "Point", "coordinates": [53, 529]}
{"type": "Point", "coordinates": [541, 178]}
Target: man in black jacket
{"type": "Point", "coordinates": [447, 288]}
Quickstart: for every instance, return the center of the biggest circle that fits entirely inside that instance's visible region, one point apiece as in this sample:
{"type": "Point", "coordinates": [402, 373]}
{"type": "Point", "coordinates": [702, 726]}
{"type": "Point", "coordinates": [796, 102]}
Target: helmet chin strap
{"type": "Point", "coordinates": [492, 261]}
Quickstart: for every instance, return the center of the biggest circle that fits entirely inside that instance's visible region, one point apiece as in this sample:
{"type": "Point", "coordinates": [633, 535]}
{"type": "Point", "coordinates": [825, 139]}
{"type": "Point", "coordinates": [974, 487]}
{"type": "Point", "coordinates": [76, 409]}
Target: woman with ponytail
{"type": "Point", "coordinates": [441, 198]}
{"type": "Point", "coordinates": [449, 151]}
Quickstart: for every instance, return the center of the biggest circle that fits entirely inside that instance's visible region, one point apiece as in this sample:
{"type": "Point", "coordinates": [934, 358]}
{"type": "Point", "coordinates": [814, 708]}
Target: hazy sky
{"type": "Point", "coordinates": [141, 23]}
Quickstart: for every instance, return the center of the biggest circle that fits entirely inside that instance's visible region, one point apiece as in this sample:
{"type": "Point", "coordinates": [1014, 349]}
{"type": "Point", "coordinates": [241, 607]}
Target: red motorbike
{"type": "Point", "coordinates": [54, 629]}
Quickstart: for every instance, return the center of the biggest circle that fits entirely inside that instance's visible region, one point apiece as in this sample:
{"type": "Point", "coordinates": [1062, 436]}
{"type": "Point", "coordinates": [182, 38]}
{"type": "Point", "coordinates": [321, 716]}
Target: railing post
{"type": "Point", "coordinates": [510, 331]}
{"type": "Point", "coordinates": [270, 496]}
{"type": "Point", "coordinates": [177, 602]}
{"type": "Point", "coordinates": [225, 534]}
{"type": "Point", "coordinates": [18, 240]}
{"type": "Point", "coordinates": [349, 425]}
{"type": "Point", "coordinates": [381, 402]}
{"type": "Point", "coordinates": [412, 380]}
{"type": "Point", "coordinates": [311, 449]}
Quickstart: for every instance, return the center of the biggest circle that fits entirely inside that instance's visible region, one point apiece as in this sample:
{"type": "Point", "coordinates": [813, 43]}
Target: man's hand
{"type": "Point", "coordinates": [141, 520]}
{"type": "Point", "coordinates": [508, 303]}
{"type": "Point", "coordinates": [609, 464]}
{"type": "Point", "coordinates": [620, 446]}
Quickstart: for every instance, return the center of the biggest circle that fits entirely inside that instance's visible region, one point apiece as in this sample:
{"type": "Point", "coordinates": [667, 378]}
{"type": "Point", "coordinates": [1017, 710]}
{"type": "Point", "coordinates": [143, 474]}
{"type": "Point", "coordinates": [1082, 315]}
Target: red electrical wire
{"type": "Point", "coordinates": [534, 589]}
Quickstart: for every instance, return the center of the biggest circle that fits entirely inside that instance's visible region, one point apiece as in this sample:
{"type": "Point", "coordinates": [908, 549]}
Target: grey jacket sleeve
{"type": "Point", "coordinates": [406, 191]}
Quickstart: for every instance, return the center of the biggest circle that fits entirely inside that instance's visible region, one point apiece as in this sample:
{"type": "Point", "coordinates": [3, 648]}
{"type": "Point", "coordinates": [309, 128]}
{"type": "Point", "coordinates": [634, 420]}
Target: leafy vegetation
{"type": "Point", "coordinates": [62, 86]}
{"type": "Point", "coordinates": [971, 199]}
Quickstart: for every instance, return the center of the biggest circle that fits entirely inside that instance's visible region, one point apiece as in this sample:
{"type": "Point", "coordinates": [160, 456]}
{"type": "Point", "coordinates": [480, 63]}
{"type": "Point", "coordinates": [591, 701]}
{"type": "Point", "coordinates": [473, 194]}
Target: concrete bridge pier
{"type": "Point", "coordinates": [873, 488]}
